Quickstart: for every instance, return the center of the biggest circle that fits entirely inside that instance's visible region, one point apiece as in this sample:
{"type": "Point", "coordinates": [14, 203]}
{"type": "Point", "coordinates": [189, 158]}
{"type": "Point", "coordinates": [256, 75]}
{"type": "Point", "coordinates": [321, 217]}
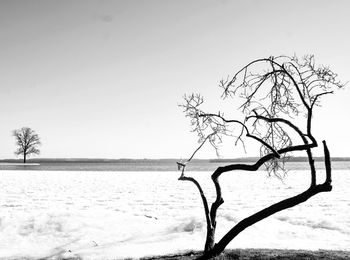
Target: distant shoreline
{"type": "Point", "coordinates": [169, 160]}
{"type": "Point", "coordinates": [18, 164]}
{"type": "Point", "coordinates": [166, 165]}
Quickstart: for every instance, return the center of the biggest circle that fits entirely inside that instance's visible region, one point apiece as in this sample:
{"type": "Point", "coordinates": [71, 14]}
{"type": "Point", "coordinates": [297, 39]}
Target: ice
{"type": "Point", "coordinates": [98, 215]}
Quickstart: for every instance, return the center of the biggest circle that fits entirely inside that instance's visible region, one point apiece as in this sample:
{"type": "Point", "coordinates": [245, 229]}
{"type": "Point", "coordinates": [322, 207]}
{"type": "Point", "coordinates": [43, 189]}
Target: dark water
{"type": "Point", "coordinates": [150, 165]}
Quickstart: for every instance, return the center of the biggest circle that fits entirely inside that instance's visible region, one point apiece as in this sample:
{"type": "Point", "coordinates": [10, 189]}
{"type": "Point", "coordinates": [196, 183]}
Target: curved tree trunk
{"type": "Point", "coordinates": [249, 221]}
{"type": "Point", "coordinates": [210, 240]}
{"type": "Point", "coordinates": [277, 207]}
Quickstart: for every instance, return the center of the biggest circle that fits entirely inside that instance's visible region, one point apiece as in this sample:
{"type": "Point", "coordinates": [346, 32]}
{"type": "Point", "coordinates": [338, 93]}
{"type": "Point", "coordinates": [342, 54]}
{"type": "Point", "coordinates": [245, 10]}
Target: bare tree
{"type": "Point", "coordinates": [27, 141]}
{"type": "Point", "coordinates": [276, 93]}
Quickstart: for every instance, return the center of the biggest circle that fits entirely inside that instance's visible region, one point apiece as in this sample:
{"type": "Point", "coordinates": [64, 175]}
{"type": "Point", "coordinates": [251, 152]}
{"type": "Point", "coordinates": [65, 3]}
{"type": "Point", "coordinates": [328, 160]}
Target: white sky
{"type": "Point", "coordinates": [102, 79]}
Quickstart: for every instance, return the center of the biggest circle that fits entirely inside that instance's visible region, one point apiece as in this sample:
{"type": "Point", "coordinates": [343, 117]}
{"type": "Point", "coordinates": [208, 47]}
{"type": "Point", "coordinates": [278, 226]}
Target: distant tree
{"type": "Point", "coordinates": [27, 141]}
{"type": "Point", "coordinates": [276, 95]}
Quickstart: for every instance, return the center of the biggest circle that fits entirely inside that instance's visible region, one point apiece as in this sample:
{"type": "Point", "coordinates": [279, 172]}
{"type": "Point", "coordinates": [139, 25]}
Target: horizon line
{"type": "Point", "coordinates": [249, 158]}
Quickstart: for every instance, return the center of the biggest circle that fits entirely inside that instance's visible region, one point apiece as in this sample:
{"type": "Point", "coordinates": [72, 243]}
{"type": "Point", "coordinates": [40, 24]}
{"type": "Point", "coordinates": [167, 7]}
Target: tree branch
{"type": "Point", "coordinates": [319, 95]}
{"type": "Point", "coordinates": [327, 161]}
{"type": "Point", "coordinates": [204, 199]}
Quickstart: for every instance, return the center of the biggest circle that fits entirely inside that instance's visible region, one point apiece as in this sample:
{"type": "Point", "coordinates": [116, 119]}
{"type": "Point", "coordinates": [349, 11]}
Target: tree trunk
{"type": "Point", "coordinates": [249, 221]}
{"type": "Point", "coordinates": [210, 240]}
{"type": "Point", "coordinates": [277, 207]}
{"type": "Point", "coordinates": [24, 157]}
{"type": "Point", "coordinates": [282, 205]}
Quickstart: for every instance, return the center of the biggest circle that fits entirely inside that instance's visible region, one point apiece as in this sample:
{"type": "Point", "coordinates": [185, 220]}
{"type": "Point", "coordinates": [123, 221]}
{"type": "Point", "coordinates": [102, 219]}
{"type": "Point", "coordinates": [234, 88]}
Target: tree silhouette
{"type": "Point", "coordinates": [27, 141]}
{"type": "Point", "coordinates": [276, 94]}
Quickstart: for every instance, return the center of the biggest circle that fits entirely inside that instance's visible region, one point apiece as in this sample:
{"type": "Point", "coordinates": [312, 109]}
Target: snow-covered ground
{"type": "Point", "coordinates": [99, 215]}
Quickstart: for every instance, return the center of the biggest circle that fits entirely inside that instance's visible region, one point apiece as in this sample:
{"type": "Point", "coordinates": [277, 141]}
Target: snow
{"type": "Point", "coordinates": [99, 215]}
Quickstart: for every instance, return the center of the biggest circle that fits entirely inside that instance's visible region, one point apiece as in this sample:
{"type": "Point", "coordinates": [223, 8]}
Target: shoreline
{"type": "Point", "coordinates": [262, 253]}
{"type": "Point", "coordinates": [19, 164]}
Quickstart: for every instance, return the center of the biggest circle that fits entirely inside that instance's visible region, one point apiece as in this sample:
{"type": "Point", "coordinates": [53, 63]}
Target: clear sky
{"type": "Point", "coordinates": [102, 79]}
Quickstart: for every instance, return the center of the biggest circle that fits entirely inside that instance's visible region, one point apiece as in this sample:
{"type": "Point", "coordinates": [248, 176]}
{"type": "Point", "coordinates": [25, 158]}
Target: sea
{"type": "Point", "coordinates": [137, 209]}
